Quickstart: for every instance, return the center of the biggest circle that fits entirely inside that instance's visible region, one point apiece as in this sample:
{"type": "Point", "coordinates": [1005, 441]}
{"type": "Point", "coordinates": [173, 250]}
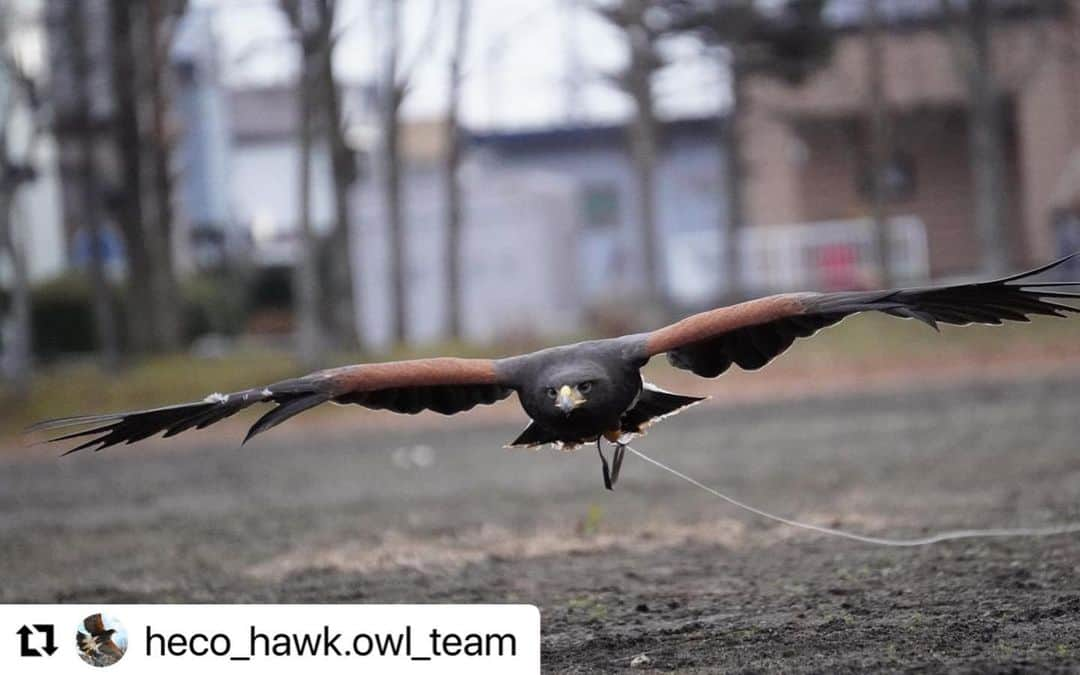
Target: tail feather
{"type": "Point", "coordinates": [653, 405]}
{"type": "Point", "coordinates": [533, 436]}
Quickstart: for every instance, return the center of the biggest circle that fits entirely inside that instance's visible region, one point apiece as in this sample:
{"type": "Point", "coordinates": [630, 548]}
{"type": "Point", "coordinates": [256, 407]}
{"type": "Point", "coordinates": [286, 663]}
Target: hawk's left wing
{"type": "Point", "coordinates": [753, 333]}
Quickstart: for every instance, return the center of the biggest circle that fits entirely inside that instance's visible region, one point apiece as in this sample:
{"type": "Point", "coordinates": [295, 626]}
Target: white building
{"type": "Point", "coordinates": [265, 163]}
{"type": "Point", "coordinates": [205, 231]}
{"type": "Point", "coordinates": [550, 228]}
{"type": "Point", "coordinates": [520, 276]}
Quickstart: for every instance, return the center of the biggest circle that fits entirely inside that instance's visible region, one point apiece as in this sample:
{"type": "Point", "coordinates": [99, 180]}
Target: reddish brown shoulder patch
{"type": "Point", "coordinates": [722, 320]}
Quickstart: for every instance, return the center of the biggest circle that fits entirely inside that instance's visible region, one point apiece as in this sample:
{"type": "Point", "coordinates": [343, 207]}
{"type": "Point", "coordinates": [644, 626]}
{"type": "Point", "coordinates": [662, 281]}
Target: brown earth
{"type": "Point", "coordinates": [443, 514]}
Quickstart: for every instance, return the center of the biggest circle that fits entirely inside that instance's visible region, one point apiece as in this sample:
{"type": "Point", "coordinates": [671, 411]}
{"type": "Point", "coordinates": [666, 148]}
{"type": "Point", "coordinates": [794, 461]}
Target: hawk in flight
{"type": "Point", "coordinates": [96, 645]}
{"type": "Point", "coordinates": [589, 391]}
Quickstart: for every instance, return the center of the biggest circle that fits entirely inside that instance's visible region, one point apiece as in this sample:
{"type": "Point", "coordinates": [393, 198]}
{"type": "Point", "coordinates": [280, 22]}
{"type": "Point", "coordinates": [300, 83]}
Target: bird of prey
{"type": "Point", "coordinates": [590, 391]}
{"type": "Point", "coordinates": [96, 645]}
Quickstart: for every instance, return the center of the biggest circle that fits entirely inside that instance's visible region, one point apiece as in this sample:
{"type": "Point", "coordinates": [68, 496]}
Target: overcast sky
{"type": "Point", "coordinates": [520, 61]}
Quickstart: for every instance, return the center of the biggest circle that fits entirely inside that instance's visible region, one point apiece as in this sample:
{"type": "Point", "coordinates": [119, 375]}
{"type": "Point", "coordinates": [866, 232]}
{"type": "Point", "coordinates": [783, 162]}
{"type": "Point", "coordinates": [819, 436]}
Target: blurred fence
{"type": "Point", "coordinates": [829, 255]}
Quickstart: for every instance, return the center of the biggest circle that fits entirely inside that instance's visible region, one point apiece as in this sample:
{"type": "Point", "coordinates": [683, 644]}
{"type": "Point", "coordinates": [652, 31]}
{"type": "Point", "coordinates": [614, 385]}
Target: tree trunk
{"type": "Point", "coordinates": [18, 347]}
{"type": "Point", "coordinates": [22, 332]}
{"type": "Point", "coordinates": [126, 203]}
{"type": "Point", "coordinates": [306, 273]}
{"type": "Point", "coordinates": [167, 302]}
{"type": "Point", "coordinates": [452, 178]}
{"type": "Point", "coordinates": [731, 148]}
{"type": "Point", "coordinates": [339, 290]}
{"type": "Point", "coordinates": [392, 96]}
{"type": "Point", "coordinates": [86, 174]}
{"type": "Point", "coordinates": [878, 125]}
{"type": "Point", "coordinates": [20, 358]}
{"type": "Point", "coordinates": [985, 137]}
{"type": "Point", "coordinates": [643, 143]}
{"type": "Point", "coordinates": [644, 150]}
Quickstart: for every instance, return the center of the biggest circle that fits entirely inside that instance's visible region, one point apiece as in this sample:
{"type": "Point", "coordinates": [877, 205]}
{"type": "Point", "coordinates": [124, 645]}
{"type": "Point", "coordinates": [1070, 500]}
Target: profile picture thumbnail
{"type": "Point", "coordinates": [101, 639]}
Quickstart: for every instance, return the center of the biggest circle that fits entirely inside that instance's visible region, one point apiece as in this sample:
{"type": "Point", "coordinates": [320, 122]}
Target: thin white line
{"type": "Point", "coordinates": [923, 541]}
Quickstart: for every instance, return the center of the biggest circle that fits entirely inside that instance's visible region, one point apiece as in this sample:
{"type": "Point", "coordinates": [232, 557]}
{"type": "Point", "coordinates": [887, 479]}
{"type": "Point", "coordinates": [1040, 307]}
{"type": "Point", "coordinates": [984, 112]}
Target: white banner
{"type": "Point", "coordinates": [328, 639]}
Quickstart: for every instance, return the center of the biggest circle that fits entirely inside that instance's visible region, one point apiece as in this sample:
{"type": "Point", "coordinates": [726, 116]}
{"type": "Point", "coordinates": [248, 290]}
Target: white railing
{"type": "Point", "coordinates": [827, 255]}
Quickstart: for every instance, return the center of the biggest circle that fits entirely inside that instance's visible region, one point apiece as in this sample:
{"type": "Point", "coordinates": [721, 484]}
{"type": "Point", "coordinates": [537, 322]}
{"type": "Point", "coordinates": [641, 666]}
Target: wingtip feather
{"type": "Point", "coordinates": [282, 412]}
{"type": "Point", "coordinates": [1038, 270]}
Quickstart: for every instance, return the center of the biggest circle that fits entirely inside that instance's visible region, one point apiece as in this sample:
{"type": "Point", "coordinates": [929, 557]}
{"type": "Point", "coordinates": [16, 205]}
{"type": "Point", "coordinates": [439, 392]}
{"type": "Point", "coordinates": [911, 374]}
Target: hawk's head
{"type": "Point", "coordinates": [570, 392]}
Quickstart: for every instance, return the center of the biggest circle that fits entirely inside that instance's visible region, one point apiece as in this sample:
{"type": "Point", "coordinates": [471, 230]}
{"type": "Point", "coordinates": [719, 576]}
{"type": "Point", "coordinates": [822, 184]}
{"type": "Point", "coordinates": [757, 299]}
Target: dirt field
{"type": "Point", "coordinates": [656, 568]}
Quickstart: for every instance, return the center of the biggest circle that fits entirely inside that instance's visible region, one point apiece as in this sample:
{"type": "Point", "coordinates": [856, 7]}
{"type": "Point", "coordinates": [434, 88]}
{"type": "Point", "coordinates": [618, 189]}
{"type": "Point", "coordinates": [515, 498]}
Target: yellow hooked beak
{"type": "Point", "coordinates": [568, 399]}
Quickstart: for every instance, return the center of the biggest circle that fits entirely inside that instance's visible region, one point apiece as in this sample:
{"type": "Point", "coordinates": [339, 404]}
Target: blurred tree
{"type": "Point", "coordinates": [971, 26]}
{"type": "Point", "coordinates": [642, 30]}
{"type": "Point", "coordinates": [311, 340]}
{"type": "Point", "coordinates": [141, 202]}
{"type": "Point", "coordinates": [396, 78]}
{"type": "Point", "coordinates": [126, 200]}
{"type": "Point", "coordinates": [451, 174]}
{"type": "Point", "coordinates": [877, 113]}
{"type": "Point", "coordinates": [393, 92]}
{"type": "Point", "coordinates": [326, 298]}
{"type": "Point", "coordinates": [17, 350]}
{"type": "Point", "coordinates": [784, 39]}
{"type": "Point", "coordinates": [17, 91]}
{"type": "Point", "coordinates": [78, 121]}
{"type": "Point", "coordinates": [343, 171]}
{"type": "Point", "coordinates": [159, 19]}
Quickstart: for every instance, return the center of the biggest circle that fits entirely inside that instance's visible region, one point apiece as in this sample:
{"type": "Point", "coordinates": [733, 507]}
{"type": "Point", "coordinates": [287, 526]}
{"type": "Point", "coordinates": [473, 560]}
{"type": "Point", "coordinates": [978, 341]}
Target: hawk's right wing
{"type": "Point", "coordinates": [444, 385]}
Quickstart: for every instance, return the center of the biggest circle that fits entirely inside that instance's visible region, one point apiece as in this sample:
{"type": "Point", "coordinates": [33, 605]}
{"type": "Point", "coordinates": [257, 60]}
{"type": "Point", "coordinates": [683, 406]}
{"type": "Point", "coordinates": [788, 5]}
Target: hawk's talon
{"type": "Point", "coordinates": [616, 462]}
{"type": "Point", "coordinates": [608, 483]}
{"type": "Point", "coordinates": [611, 474]}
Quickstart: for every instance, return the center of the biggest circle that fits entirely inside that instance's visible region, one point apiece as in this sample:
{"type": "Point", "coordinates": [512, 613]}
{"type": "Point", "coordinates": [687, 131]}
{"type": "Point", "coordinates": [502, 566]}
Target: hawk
{"type": "Point", "coordinates": [590, 391]}
{"type": "Point", "coordinates": [96, 645]}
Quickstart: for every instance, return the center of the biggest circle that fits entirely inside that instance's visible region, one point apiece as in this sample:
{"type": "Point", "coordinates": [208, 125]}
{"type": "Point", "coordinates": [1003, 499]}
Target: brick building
{"type": "Point", "coordinates": [806, 149]}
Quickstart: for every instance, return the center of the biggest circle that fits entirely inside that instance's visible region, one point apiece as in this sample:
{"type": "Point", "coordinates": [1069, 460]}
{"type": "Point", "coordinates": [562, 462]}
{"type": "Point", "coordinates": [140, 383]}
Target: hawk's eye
{"type": "Point", "coordinates": [551, 392]}
{"type": "Point", "coordinates": [584, 387]}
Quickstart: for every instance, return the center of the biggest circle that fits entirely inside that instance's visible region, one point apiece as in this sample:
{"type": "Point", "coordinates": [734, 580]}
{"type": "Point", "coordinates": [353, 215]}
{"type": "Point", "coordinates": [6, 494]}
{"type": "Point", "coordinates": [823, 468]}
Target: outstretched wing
{"type": "Point", "coordinates": [445, 385]}
{"type": "Point", "coordinates": [94, 624]}
{"type": "Point", "coordinates": [753, 333]}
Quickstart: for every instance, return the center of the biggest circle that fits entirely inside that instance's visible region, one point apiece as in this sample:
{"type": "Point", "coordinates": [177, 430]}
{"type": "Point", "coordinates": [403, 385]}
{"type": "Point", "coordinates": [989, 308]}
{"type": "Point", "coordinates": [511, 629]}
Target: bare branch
{"type": "Point", "coordinates": [403, 77]}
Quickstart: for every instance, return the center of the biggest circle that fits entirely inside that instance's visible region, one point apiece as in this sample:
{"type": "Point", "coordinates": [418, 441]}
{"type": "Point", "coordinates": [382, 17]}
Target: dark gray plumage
{"type": "Point", "coordinates": [584, 392]}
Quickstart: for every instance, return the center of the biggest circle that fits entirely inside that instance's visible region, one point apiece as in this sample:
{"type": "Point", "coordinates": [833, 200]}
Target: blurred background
{"type": "Point", "coordinates": [296, 183]}
{"type": "Point", "coordinates": [209, 195]}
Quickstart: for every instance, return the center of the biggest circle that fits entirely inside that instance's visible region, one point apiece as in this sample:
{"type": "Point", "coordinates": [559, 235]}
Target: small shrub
{"type": "Point", "coordinates": [271, 289]}
{"type": "Point", "coordinates": [214, 303]}
{"type": "Point", "coordinates": [62, 316]}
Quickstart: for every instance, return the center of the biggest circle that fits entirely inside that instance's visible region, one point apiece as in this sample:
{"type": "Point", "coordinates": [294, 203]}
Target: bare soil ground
{"type": "Point", "coordinates": [339, 514]}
